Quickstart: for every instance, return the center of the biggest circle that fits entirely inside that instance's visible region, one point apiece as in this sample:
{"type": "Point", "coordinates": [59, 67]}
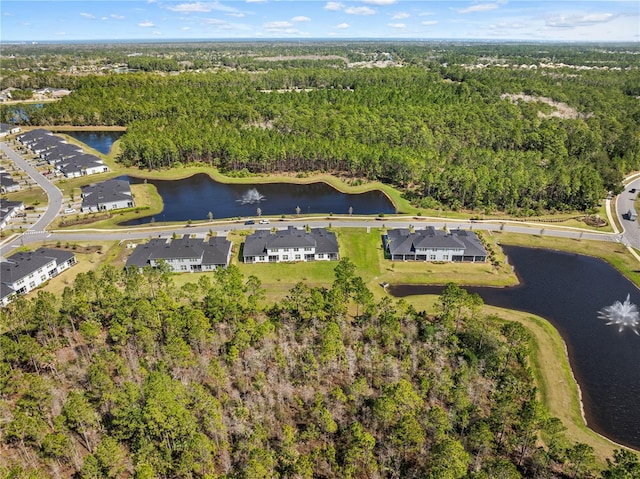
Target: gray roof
{"type": "Point", "coordinates": [20, 265]}
{"type": "Point", "coordinates": [214, 252]}
{"type": "Point", "coordinates": [5, 291]}
{"type": "Point", "coordinates": [217, 251]}
{"type": "Point", "coordinates": [46, 143]}
{"type": "Point", "coordinates": [106, 192]}
{"type": "Point", "coordinates": [62, 150]}
{"type": "Point", "coordinates": [61, 255]}
{"type": "Point", "coordinates": [402, 241]}
{"type": "Point", "coordinates": [6, 127]}
{"type": "Point", "coordinates": [7, 180]}
{"type": "Point", "coordinates": [258, 243]}
{"type": "Point", "coordinates": [79, 163]}
{"type": "Point", "coordinates": [32, 135]}
{"type": "Point", "coordinates": [7, 207]}
{"type": "Point", "coordinates": [140, 255]}
{"type": "Point", "coordinates": [179, 248]}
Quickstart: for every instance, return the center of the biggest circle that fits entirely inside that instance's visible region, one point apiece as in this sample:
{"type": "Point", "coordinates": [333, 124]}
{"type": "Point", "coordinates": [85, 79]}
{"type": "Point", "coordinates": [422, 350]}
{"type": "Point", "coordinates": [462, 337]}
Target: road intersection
{"type": "Point", "coordinates": [38, 233]}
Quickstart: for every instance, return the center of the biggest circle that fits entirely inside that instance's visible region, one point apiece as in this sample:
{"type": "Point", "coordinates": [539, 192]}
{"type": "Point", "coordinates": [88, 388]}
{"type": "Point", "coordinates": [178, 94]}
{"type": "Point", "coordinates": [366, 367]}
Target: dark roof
{"type": "Point", "coordinates": [32, 135]}
{"type": "Point", "coordinates": [106, 192]}
{"type": "Point", "coordinates": [61, 255]}
{"type": "Point", "coordinates": [258, 243]}
{"type": "Point", "coordinates": [79, 163]}
{"type": "Point", "coordinates": [214, 252]}
{"type": "Point", "coordinates": [46, 143]}
{"type": "Point", "coordinates": [179, 248]}
{"type": "Point", "coordinates": [140, 255]}
{"type": "Point", "coordinates": [7, 180]}
{"type": "Point", "coordinates": [20, 265]}
{"type": "Point", "coordinates": [5, 291]}
{"type": "Point", "coordinates": [7, 207]}
{"type": "Point", "coordinates": [217, 251]}
{"type": "Point", "coordinates": [402, 241]}
{"type": "Point", "coordinates": [62, 150]}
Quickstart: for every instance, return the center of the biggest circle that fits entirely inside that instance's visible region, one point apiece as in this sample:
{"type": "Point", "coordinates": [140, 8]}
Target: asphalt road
{"type": "Point", "coordinates": [624, 201]}
{"type": "Point", "coordinates": [54, 205]}
{"type": "Point", "coordinates": [37, 234]}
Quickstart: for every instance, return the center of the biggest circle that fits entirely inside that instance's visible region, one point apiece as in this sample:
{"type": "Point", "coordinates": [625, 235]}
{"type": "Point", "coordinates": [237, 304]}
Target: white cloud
{"type": "Point", "coordinates": [579, 20]}
{"type": "Point", "coordinates": [396, 25]}
{"type": "Point", "coordinates": [480, 7]}
{"type": "Point", "coordinates": [185, 28]}
{"type": "Point", "coordinates": [146, 24]}
{"type": "Point", "coordinates": [215, 21]}
{"type": "Point", "coordinates": [426, 14]}
{"type": "Point", "coordinates": [342, 25]}
{"type": "Point", "coordinates": [117, 17]}
{"type": "Point", "coordinates": [300, 19]}
{"type": "Point", "coordinates": [333, 6]}
{"type": "Point", "coordinates": [277, 25]}
{"type": "Point", "coordinates": [426, 23]}
{"type": "Point", "coordinates": [379, 2]}
{"type": "Point", "coordinates": [7, 14]}
{"type": "Point", "coordinates": [201, 7]}
{"type": "Point", "coordinates": [88, 15]}
{"type": "Point", "coordinates": [236, 15]}
{"type": "Point", "coordinates": [400, 16]}
{"type": "Point", "coordinates": [60, 33]}
{"type": "Point", "coordinates": [360, 11]}
{"type": "Point", "coordinates": [256, 1]}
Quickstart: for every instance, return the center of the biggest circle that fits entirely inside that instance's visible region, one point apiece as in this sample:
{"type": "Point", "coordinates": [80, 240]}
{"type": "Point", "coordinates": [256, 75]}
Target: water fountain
{"type": "Point", "coordinates": [624, 315]}
{"type": "Point", "coordinates": [250, 197]}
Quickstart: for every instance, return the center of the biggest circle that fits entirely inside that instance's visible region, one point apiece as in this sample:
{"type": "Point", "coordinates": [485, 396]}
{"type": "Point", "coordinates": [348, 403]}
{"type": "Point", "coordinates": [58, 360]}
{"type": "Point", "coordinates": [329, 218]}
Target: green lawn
{"type": "Point", "coordinates": [365, 250]}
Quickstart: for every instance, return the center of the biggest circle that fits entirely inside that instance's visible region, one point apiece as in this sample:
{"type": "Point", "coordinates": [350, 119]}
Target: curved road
{"type": "Point", "coordinates": [36, 232]}
{"type": "Point", "coordinates": [624, 201]}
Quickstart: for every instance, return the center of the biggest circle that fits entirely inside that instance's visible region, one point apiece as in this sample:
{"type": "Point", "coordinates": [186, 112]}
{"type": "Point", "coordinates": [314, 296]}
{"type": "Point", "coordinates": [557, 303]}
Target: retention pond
{"type": "Point", "coordinates": [572, 292]}
{"type": "Point", "coordinates": [194, 197]}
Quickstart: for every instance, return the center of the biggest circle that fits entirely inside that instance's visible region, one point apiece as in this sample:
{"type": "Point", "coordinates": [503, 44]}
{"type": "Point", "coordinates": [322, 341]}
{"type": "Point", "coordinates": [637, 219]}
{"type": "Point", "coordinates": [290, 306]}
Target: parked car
{"type": "Point", "coordinates": [249, 222]}
{"type": "Point", "coordinates": [70, 210]}
{"type": "Point", "coordinates": [632, 190]}
{"type": "Point", "coordinates": [264, 222]}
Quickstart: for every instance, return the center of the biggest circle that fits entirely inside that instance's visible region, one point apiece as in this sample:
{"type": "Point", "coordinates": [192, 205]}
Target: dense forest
{"type": "Point", "coordinates": [454, 127]}
{"type": "Point", "coordinates": [126, 375]}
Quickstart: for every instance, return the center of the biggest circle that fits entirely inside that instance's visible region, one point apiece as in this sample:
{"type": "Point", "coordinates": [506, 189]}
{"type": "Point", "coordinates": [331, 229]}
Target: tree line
{"type": "Point", "coordinates": [445, 134]}
{"type": "Point", "coordinates": [127, 375]}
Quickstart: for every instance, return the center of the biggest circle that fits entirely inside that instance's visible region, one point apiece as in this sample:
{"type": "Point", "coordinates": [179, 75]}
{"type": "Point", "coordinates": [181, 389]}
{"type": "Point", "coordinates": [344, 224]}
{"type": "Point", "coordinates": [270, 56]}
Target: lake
{"type": "Point", "coordinates": [194, 197]}
{"type": "Point", "coordinates": [101, 141]}
{"type": "Point", "coordinates": [569, 290]}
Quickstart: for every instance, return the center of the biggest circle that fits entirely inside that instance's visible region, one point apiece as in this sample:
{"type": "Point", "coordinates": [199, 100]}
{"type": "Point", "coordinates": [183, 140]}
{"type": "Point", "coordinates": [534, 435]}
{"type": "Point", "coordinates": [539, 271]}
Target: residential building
{"type": "Point", "coordinates": [433, 245]}
{"type": "Point", "coordinates": [182, 255]}
{"type": "Point", "coordinates": [9, 209]}
{"type": "Point", "coordinates": [6, 129]}
{"type": "Point", "coordinates": [25, 271]}
{"type": "Point", "coordinates": [108, 195]}
{"type": "Point", "coordinates": [7, 183]}
{"type": "Point", "coordinates": [69, 159]}
{"type": "Point", "coordinates": [292, 244]}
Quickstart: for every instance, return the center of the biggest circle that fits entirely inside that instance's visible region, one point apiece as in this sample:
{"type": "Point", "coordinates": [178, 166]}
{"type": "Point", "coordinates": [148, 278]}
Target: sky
{"type": "Point", "coordinates": [97, 20]}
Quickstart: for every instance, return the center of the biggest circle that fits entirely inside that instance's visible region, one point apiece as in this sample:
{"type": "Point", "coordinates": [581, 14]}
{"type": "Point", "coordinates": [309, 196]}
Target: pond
{"type": "Point", "coordinates": [101, 141]}
{"type": "Point", "coordinates": [569, 290]}
{"type": "Point", "coordinates": [194, 197]}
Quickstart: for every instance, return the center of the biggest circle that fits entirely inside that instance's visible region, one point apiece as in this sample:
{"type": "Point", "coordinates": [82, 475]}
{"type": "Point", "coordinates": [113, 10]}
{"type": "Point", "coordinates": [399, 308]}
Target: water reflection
{"type": "Point", "coordinates": [194, 197]}
{"type": "Point", "coordinates": [570, 290]}
{"type": "Point", "coordinates": [101, 141]}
